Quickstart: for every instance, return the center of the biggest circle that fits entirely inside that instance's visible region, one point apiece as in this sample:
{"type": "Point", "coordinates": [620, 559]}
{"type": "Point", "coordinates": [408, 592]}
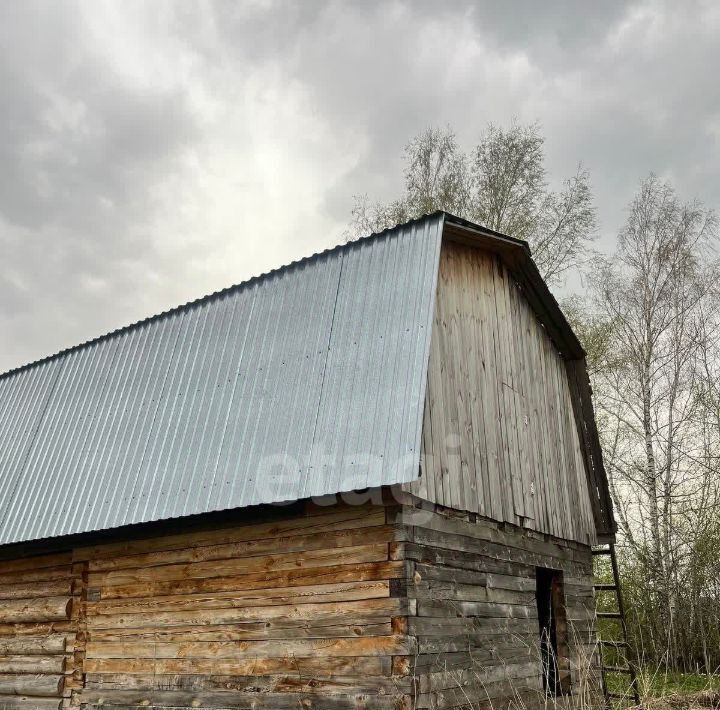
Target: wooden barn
{"type": "Point", "coordinates": [369, 479]}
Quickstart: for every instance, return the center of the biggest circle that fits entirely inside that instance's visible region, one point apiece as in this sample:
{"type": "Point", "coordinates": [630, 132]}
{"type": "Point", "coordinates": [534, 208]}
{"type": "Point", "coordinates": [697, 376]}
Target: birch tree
{"type": "Point", "coordinates": [501, 184]}
{"type": "Point", "coordinates": [653, 396]}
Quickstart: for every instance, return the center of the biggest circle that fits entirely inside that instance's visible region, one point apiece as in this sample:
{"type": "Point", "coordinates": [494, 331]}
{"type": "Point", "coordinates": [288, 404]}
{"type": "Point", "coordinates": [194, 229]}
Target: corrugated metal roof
{"type": "Point", "coordinates": [307, 381]}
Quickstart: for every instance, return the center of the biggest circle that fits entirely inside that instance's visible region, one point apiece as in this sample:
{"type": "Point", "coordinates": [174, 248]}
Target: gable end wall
{"type": "Point", "coordinates": [500, 436]}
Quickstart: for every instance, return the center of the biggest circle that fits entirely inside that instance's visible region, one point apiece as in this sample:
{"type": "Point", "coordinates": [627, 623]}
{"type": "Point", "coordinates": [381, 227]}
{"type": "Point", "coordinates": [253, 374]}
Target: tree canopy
{"type": "Point", "coordinates": [500, 183]}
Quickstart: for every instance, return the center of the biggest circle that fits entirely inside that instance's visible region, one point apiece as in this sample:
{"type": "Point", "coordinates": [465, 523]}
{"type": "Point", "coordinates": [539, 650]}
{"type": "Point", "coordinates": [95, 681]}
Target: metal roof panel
{"type": "Point", "coordinates": [307, 381]}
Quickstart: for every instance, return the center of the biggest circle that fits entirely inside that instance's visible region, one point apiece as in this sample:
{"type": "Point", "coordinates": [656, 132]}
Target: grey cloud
{"type": "Point", "coordinates": [76, 137]}
{"type": "Point", "coordinates": [109, 185]}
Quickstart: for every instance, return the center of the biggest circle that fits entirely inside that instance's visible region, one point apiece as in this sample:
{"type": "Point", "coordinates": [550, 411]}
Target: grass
{"type": "Point", "coordinates": [660, 683]}
{"type": "Point", "coordinates": [662, 690]}
{"type": "Point", "coordinates": [656, 683]}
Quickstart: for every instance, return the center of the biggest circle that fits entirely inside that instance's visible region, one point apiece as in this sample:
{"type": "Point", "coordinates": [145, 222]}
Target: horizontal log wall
{"type": "Point", "coordinates": [37, 631]}
{"type": "Point", "coordinates": [374, 606]}
{"type": "Point", "coordinates": [297, 612]}
{"type": "Point", "coordinates": [476, 623]}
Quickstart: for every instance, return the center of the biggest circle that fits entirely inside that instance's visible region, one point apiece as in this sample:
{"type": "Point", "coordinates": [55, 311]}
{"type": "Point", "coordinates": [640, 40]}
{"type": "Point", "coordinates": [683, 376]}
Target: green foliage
{"type": "Point", "coordinates": [594, 330]}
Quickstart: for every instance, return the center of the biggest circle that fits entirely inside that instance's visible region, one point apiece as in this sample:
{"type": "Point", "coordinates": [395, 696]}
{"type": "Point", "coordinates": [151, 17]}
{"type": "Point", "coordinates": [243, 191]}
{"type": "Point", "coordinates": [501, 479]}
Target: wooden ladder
{"type": "Point", "coordinates": [622, 645]}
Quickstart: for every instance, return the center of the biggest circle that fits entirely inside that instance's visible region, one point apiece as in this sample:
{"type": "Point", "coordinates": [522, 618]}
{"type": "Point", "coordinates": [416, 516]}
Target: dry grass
{"type": "Point", "coordinates": [685, 701]}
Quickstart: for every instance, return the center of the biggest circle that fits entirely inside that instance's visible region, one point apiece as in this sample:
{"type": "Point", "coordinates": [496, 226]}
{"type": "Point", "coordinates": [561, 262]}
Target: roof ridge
{"type": "Point", "coordinates": [214, 295]}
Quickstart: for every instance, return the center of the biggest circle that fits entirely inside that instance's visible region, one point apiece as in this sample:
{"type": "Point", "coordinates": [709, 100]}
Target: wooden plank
{"type": "Point", "coordinates": [439, 589]}
{"type": "Point", "coordinates": [494, 370]}
{"type": "Point", "coordinates": [33, 684]}
{"type": "Point", "coordinates": [32, 664]}
{"type": "Point", "coordinates": [330, 538]}
{"type": "Point", "coordinates": [325, 666]}
{"type": "Point", "coordinates": [54, 588]}
{"type": "Point", "coordinates": [299, 648]}
{"type": "Point", "coordinates": [539, 426]}
{"type": "Point", "coordinates": [36, 575]}
{"type": "Point", "coordinates": [453, 628]}
{"type": "Point", "coordinates": [460, 560]}
{"type": "Point", "coordinates": [335, 517]}
{"type": "Point", "coordinates": [17, 702]}
{"type": "Point", "coordinates": [234, 599]}
{"type": "Point", "coordinates": [371, 685]}
{"type": "Point", "coordinates": [33, 629]}
{"type": "Point", "coordinates": [331, 574]}
{"type": "Point", "coordinates": [529, 443]}
{"type": "Point", "coordinates": [360, 625]}
{"type": "Point", "coordinates": [248, 701]}
{"type": "Point", "coordinates": [474, 336]}
{"type": "Point", "coordinates": [23, 564]}
{"type": "Point", "coordinates": [452, 298]}
{"type": "Point", "coordinates": [309, 612]}
{"type": "Point", "coordinates": [548, 435]}
{"type": "Point", "coordinates": [221, 568]}
{"type": "Point", "coordinates": [36, 610]}
{"type": "Point", "coordinates": [438, 456]}
{"type": "Point", "coordinates": [511, 421]}
{"type": "Point", "coordinates": [32, 645]}
{"type": "Point", "coordinates": [453, 608]}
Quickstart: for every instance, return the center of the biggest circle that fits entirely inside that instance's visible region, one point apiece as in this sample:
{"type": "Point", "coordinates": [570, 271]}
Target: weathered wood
{"type": "Point", "coordinates": [32, 664]}
{"type": "Point", "coordinates": [16, 702]}
{"type": "Point", "coordinates": [499, 436]}
{"type": "Point", "coordinates": [53, 588]}
{"type": "Point", "coordinates": [36, 610]}
{"type": "Point", "coordinates": [331, 627]}
{"type": "Point", "coordinates": [34, 629]}
{"type": "Point", "coordinates": [303, 648]}
{"type": "Point", "coordinates": [245, 684]}
{"type": "Point", "coordinates": [307, 612]}
{"type": "Point", "coordinates": [314, 618]}
{"type": "Point", "coordinates": [35, 685]}
{"type": "Point", "coordinates": [33, 575]}
{"type": "Point", "coordinates": [317, 540]}
{"type": "Point", "coordinates": [259, 597]}
{"type": "Point", "coordinates": [236, 566]}
{"type": "Point", "coordinates": [326, 666]}
{"type": "Point", "coordinates": [251, 701]}
{"type": "Point", "coordinates": [476, 623]}
{"type": "Point", "coordinates": [427, 626]}
{"type": "Point", "coordinates": [32, 645]}
{"type": "Point", "coordinates": [35, 563]}
{"type": "Point", "coordinates": [336, 517]}
{"type": "Point", "coordinates": [332, 574]}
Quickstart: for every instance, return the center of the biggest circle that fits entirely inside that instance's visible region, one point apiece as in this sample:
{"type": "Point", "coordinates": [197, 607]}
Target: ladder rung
{"type": "Point", "coordinates": [605, 587]}
{"type": "Point", "coordinates": [602, 552]}
{"type": "Point", "coordinates": [617, 669]}
{"type": "Point", "coordinates": [614, 644]}
{"type": "Point", "coordinates": [609, 615]}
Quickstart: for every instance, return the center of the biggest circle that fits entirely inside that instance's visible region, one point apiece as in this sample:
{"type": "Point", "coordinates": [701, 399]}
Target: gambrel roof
{"type": "Point", "coordinates": [309, 380]}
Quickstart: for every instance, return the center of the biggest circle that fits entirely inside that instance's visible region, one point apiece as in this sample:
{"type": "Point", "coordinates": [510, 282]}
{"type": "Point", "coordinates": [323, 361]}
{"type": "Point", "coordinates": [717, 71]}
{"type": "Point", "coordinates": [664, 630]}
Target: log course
{"type": "Point", "coordinates": [476, 618]}
{"type": "Point", "coordinates": [395, 605]}
{"type": "Point", "coordinates": [36, 630]}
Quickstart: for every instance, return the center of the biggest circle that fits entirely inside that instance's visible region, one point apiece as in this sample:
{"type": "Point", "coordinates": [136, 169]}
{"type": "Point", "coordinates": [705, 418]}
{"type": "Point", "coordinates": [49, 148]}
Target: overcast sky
{"type": "Point", "coordinates": [152, 152]}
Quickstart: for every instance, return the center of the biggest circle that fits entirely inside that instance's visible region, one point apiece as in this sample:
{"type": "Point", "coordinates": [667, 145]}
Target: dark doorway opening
{"type": "Point", "coordinates": [550, 597]}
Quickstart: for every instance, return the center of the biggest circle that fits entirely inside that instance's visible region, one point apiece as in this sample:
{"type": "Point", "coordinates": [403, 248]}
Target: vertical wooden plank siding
{"type": "Point", "coordinates": [500, 437]}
